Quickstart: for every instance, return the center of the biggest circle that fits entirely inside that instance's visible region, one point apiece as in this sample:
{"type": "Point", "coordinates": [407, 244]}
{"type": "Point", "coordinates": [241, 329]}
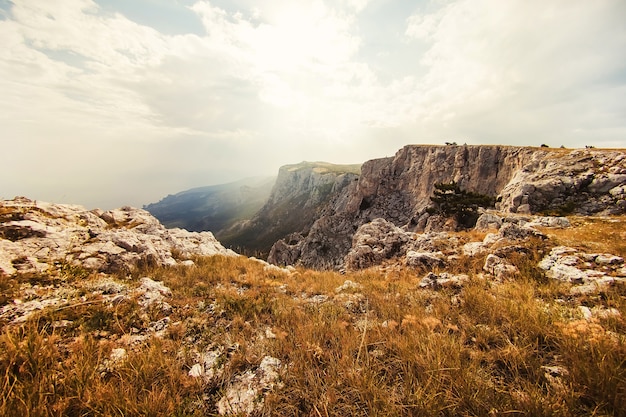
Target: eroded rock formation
{"type": "Point", "coordinates": [398, 189]}
{"type": "Point", "coordinates": [37, 236]}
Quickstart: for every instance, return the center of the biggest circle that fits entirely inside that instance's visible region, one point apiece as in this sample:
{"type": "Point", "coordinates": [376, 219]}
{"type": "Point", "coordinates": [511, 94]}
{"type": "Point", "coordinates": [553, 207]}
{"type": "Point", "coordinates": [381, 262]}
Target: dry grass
{"type": "Point", "coordinates": [387, 348]}
{"type": "Point", "coordinates": [593, 234]}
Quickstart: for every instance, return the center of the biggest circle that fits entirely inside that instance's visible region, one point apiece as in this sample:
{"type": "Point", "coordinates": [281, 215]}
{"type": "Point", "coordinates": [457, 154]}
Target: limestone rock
{"type": "Point", "coordinates": [425, 259]}
{"type": "Point", "coordinates": [514, 232]}
{"type": "Point", "coordinates": [35, 235]}
{"type": "Point", "coordinates": [499, 267]}
{"type": "Point", "coordinates": [550, 221]}
{"type": "Point", "coordinates": [208, 365]}
{"type": "Point", "coordinates": [474, 248]}
{"type": "Point", "coordinates": [488, 221]}
{"type": "Point", "coordinates": [443, 280]}
{"type": "Point", "coordinates": [245, 394]}
{"type": "Point", "coordinates": [152, 292]}
{"type": "Point", "coordinates": [348, 285]}
{"type": "Point", "coordinates": [588, 271]}
{"type": "Point", "coordinates": [576, 181]}
{"type": "Point", "coordinates": [374, 242]}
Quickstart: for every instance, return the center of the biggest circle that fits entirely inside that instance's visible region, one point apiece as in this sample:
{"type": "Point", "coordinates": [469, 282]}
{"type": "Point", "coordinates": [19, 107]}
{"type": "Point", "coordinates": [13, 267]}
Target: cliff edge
{"type": "Point", "coordinates": [523, 180]}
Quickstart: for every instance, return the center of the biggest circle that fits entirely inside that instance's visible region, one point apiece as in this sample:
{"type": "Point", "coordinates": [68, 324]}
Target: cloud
{"type": "Point", "coordinates": [91, 96]}
{"type": "Point", "coordinates": [541, 61]}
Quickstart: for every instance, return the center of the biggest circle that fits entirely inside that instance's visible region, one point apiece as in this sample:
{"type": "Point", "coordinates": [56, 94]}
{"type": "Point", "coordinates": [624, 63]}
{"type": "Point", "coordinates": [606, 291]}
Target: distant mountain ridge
{"type": "Point", "coordinates": [213, 208]}
{"type": "Point", "coordinates": [252, 214]}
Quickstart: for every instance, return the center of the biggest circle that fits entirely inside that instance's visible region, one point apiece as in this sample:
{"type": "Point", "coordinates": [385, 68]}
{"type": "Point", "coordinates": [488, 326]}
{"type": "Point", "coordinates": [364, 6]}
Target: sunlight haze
{"type": "Point", "coordinates": [107, 103]}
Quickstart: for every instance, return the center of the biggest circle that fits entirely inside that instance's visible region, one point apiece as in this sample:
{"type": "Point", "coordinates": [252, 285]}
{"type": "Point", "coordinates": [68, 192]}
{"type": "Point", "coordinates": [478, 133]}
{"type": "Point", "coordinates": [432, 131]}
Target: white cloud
{"type": "Point", "coordinates": [86, 91]}
{"type": "Point", "coordinates": [486, 55]}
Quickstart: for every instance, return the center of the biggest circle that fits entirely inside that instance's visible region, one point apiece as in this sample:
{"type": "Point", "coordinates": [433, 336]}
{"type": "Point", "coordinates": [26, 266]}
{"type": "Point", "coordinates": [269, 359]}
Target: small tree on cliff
{"type": "Point", "coordinates": [451, 201]}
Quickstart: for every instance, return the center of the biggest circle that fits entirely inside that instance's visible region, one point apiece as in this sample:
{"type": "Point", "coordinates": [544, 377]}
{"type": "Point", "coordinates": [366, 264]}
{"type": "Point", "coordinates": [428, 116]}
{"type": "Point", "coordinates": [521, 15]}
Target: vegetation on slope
{"type": "Point", "coordinates": [214, 208]}
{"type": "Point", "coordinates": [381, 346]}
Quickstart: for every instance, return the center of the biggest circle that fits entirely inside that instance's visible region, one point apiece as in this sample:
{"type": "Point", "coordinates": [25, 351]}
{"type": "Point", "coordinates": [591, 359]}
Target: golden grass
{"type": "Point", "coordinates": [387, 348]}
{"type": "Point", "coordinates": [593, 234]}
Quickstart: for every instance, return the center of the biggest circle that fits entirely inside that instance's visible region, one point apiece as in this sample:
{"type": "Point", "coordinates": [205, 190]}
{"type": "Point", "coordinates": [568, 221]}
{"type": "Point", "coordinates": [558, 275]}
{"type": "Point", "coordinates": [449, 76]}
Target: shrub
{"type": "Point", "coordinates": [451, 201]}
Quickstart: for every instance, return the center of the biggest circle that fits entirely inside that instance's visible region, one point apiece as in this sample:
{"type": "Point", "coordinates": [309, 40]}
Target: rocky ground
{"type": "Point", "coordinates": [108, 312]}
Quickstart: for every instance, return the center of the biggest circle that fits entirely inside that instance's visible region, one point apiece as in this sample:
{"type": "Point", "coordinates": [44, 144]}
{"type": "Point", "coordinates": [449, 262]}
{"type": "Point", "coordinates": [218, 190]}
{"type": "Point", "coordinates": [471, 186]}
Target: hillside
{"type": "Point", "coordinates": [109, 313]}
{"type": "Point", "coordinates": [213, 208]}
{"type": "Point", "coordinates": [299, 195]}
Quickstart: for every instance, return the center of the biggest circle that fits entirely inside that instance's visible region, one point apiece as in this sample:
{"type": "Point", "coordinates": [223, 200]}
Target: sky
{"type": "Point", "coordinates": [108, 103]}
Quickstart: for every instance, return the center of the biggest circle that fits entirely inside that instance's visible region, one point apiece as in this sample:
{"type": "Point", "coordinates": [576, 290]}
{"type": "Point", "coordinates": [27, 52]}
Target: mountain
{"type": "Point", "coordinates": [296, 201]}
{"type": "Point", "coordinates": [213, 208]}
{"type": "Point", "coordinates": [523, 180]}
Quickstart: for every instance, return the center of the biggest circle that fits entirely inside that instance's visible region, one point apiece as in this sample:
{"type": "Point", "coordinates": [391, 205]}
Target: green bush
{"type": "Point", "coordinates": [451, 201]}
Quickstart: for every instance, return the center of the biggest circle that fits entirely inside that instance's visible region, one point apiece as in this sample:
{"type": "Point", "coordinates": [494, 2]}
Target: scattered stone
{"type": "Point", "coordinates": [355, 303]}
{"type": "Point", "coordinates": [425, 259]}
{"type": "Point", "coordinates": [549, 221]}
{"type": "Point", "coordinates": [514, 232]}
{"type": "Point", "coordinates": [348, 285]}
{"type": "Point", "coordinates": [209, 365]}
{"type": "Point", "coordinates": [152, 292]}
{"type": "Point", "coordinates": [586, 312]}
{"type": "Point", "coordinates": [443, 280]}
{"type": "Point", "coordinates": [474, 248]}
{"type": "Point", "coordinates": [488, 221]}
{"type": "Point", "coordinates": [608, 259]}
{"type": "Point", "coordinates": [554, 375]}
{"type": "Point", "coordinates": [568, 265]}
{"type": "Point", "coordinates": [106, 286]}
{"type": "Point", "coordinates": [246, 394]}
{"type": "Point", "coordinates": [566, 273]}
{"type": "Point", "coordinates": [499, 267]}
{"type": "Point", "coordinates": [317, 299]}
{"type": "Point", "coordinates": [110, 364]}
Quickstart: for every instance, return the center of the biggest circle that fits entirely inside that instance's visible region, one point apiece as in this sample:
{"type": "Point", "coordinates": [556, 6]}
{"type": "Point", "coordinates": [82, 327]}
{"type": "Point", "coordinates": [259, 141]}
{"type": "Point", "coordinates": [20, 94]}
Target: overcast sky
{"type": "Point", "coordinates": [120, 102]}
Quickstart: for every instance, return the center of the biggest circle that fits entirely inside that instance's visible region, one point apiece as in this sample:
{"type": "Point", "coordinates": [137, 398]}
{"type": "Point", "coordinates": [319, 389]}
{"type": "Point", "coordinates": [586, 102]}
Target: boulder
{"type": "Point", "coordinates": [424, 259]}
{"type": "Point", "coordinates": [499, 267]}
{"type": "Point", "coordinates": [488, 221]}
{"type": "Point", "coordinates": [375, 242]}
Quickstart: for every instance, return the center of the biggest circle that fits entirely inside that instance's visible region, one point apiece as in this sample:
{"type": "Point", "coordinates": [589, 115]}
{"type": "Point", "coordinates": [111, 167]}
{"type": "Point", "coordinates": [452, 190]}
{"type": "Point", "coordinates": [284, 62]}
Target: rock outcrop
{"type": "Point", "coordinates": [589, 272]}
{"type": "Point", "coordinates": [299, 196]}
{"type": "Point", "coordinates": [584, 182]}
{"type": "Point", "coordinates": [37, 236]}
{"type": "Point", "coordinates": [523, 180]}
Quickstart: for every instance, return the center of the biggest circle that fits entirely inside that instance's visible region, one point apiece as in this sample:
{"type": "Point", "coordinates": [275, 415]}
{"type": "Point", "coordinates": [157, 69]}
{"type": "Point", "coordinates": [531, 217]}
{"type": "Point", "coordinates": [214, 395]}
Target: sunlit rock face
{"type": "Point", "coordinates": [523, 180]}
{"type": "Point", "coordinates": [36, 236]}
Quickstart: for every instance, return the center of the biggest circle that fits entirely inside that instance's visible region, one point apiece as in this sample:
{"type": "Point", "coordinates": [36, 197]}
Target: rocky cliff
{"type": "Point", "coordinates": [38, 237]}
{"type": "Point", "coordinates": [523, 180]}
{"type": "Point", "coordinates": [297, 199]}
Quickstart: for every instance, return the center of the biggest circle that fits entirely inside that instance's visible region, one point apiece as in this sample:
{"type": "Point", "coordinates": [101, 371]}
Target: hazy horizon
{"type": "Point", "coordinates": [114, 102]}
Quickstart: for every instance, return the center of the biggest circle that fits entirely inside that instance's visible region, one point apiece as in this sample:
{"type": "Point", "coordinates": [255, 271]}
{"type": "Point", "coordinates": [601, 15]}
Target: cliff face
{"type": "Point", "coordinates": [298, 197]}
{"type": "Point", "coordinates": [398, 189]}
